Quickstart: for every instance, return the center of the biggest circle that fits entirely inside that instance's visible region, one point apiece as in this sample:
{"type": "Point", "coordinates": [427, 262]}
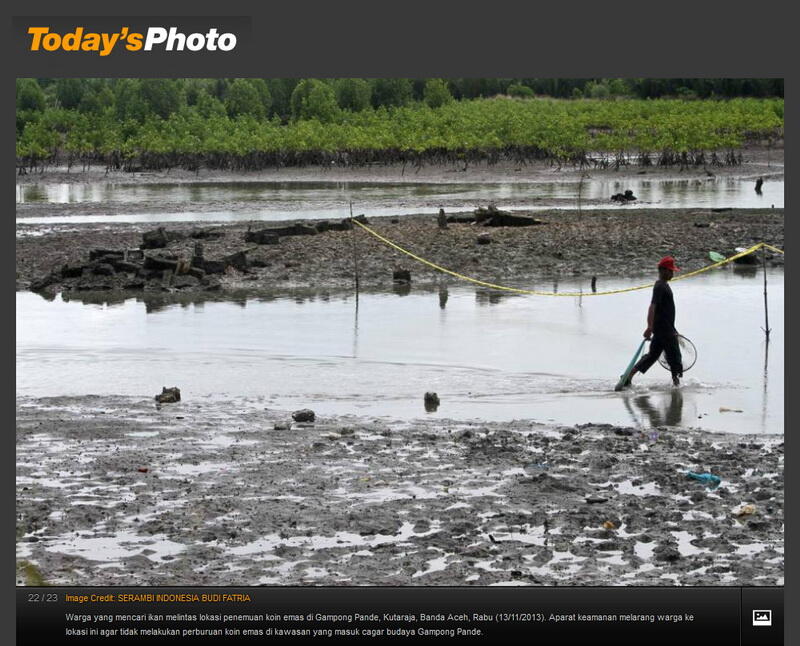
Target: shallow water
{"type": "Point", "coordinates": [488, 356]}
{"type": "Point", "coordinates": [272, 201]}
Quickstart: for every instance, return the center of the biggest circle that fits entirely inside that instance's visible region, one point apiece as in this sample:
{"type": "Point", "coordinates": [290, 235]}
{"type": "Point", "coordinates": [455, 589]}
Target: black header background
{"type": "Point", "coordinates": [419, 39]}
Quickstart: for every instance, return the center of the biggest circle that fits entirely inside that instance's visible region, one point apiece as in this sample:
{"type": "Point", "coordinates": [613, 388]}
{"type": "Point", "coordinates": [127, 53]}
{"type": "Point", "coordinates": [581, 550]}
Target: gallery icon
{"type": "Point", "coordinates": [762, 617]}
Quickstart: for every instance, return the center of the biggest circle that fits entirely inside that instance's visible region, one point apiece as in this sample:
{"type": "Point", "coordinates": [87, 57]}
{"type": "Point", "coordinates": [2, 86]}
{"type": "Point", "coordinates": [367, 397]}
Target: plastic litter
{"type": "Point", "coordinates": [538, 465]}
{"type": "Point", "coordinates": [745, 510]}
{"type": "Point", "coordinates": [708, 479]}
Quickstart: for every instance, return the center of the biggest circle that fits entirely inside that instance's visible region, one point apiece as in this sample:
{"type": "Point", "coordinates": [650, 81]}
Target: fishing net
{"type": "Point", "coordinates": [688, 354]}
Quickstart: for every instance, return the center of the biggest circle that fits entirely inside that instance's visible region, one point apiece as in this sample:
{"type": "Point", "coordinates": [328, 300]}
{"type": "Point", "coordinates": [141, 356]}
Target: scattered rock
{"type": "Point", "coordinates": [666, 552]}
{"type": "Point", "coordinates": [304, 415]}
{"type": "Point", "coordinates": [160, 263]}
{"type": "Point", "coordinates": [169, 395]}
{"type": "Point", "coordinates": [264, 236]}
{"type": "Point", "coordinates": [484, 238]}
{"type": "Point", "coordinates": [291, 230]}
{"type": "Point", "coordinates": [158, 238]}
{"type": "Point", "coordinates": [236, 260]}
{"type": "Point", "coordinates": [431, 402]}
{"type": "Point", "coordinates": [72, 271]}
{"type": "Point", "coordinates": [96, 254]}
{"type": "Point", "coordinates": [282, 426]}
{"type": "Point", "coordinates": [206, 234]}
{"type": "Point", "coordinates": [103, 269]}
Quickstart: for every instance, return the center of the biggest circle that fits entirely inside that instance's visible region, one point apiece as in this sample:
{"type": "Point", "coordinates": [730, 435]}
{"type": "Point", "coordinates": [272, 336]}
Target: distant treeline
{"type": "Point", "coordinates": [256, 123]}
{"type": "Point", "coordinates": [303, 98]}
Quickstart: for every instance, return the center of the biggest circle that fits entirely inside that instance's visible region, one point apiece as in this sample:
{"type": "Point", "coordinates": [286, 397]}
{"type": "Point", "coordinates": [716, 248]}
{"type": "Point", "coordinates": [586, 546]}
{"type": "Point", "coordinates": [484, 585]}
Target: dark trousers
{"type": "Point", "coordinates": [668, 344]}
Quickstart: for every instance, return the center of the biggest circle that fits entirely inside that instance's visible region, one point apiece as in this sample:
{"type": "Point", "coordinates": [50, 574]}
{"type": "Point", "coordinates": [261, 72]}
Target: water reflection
{"type": "Point", "coordinates": [264, 200]}
{"type": "Point", "coordinates": [401, 288]}
{"type": "Point", "coordinates": [658, 410]}
{"type": "Point", "coordinates": [443, 296]}
{"type": "Point", "coordinates": [746, 271]}
{"type": "Point", "coordinates": [491, 297]}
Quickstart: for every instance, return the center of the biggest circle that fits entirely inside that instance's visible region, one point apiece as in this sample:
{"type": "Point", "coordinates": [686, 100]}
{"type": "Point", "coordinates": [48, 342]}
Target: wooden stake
{"type": "Point", "coordinates": [355, 249]}
{"type": "Point", "coordinates": [766, 310]}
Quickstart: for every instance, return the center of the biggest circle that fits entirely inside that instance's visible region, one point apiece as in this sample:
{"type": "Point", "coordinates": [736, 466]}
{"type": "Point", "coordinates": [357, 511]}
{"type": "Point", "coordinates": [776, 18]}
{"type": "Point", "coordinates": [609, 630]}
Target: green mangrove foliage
{"type": "Point", "coordinates": [237, 134]}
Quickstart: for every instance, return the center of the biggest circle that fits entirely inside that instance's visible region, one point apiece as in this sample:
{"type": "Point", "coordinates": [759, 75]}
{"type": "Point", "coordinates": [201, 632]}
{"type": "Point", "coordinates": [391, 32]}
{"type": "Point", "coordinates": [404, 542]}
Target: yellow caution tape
{"type": "Point", "coordinates": [519, 290]}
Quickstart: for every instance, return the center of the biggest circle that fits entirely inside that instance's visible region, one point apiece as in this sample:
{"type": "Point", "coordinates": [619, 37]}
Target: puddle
{"type": "Point", "coordinates": [262, 547]}
{"type": "Point", "coordinates": [647, 489]}
{"type": "Point", "coordinates": [119, 546]}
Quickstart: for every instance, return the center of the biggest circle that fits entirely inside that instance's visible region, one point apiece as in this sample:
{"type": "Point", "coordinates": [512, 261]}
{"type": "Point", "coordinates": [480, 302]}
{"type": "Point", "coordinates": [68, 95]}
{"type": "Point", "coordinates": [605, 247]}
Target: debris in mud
{"type": "Point", "coordinates": [371, 507]}
{"type": "Point", "coordinates": [264, 236]}
{"type": "Point", "coordinates": [623, 198]}
{"type": "Point", "coordinates": [484, 238]}
{"type": "Point", "coordinates": [401, 276]}
{"type": "Point", "coordinates": [431, 402]}
{"type": "Point", "coordinates": [132, 269]}
{"type": "Point", "coordinates": [169, 395]}
{"type": "Point", "coordinates": [744, 510]}
{"type": "Point", "coordinates": [282, 426]}
{"type": "Point", "coordinates": [158, 238]}
{"type": "Point", "coordinates": [725, 409]}
{"type": "Point", "coordinates": [494, 217]}
{"type": "Point", "coordinates": [567, 244]}
{"type": "Point", "coordinates": [303, 415]}
{"type": "Point", "coordinates": [749, 259]}
{"type": "Point", "coordinates": [207, 234]}
{"type": "Point", "coordinates": [707, 478]}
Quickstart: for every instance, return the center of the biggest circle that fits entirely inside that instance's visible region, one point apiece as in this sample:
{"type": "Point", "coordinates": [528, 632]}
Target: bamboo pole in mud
{"type": "Point", "coordinates": [355, 249]}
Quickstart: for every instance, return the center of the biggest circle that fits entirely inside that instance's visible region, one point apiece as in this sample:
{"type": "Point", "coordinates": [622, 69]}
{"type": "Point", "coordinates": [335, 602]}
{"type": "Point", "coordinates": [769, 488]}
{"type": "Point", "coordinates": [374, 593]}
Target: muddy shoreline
{"type": "Point", "coordinates": [758, 161]}
{"type": "Point", "coordinates": [568, 244]}
{"type": "Point", "coordinates": [112, 491]}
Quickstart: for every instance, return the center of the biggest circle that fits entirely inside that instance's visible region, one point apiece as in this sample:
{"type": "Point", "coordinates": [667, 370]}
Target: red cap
{"type": "Point", "coordinates": [668, 262]}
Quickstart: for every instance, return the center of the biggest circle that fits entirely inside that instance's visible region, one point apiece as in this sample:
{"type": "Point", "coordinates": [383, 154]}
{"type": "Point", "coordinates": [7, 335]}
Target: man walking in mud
{"type": "Point", "coordinates": [661, 327]}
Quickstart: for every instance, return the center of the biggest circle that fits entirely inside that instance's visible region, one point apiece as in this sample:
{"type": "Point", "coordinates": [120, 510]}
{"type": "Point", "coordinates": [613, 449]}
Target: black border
{"type": "Point", "coordinates": [453, 39]}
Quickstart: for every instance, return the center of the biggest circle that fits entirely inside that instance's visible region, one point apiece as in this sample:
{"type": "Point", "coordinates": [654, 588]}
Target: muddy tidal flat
{"type": "Point", "coordinates": [566, 244]}
{"type": "Point", "coordinates": [113, 491]}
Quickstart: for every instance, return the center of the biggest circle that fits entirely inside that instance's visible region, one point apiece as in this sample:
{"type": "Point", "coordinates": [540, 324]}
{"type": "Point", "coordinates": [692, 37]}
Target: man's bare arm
{"type": "Point", "coordinates": [650, 314]}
